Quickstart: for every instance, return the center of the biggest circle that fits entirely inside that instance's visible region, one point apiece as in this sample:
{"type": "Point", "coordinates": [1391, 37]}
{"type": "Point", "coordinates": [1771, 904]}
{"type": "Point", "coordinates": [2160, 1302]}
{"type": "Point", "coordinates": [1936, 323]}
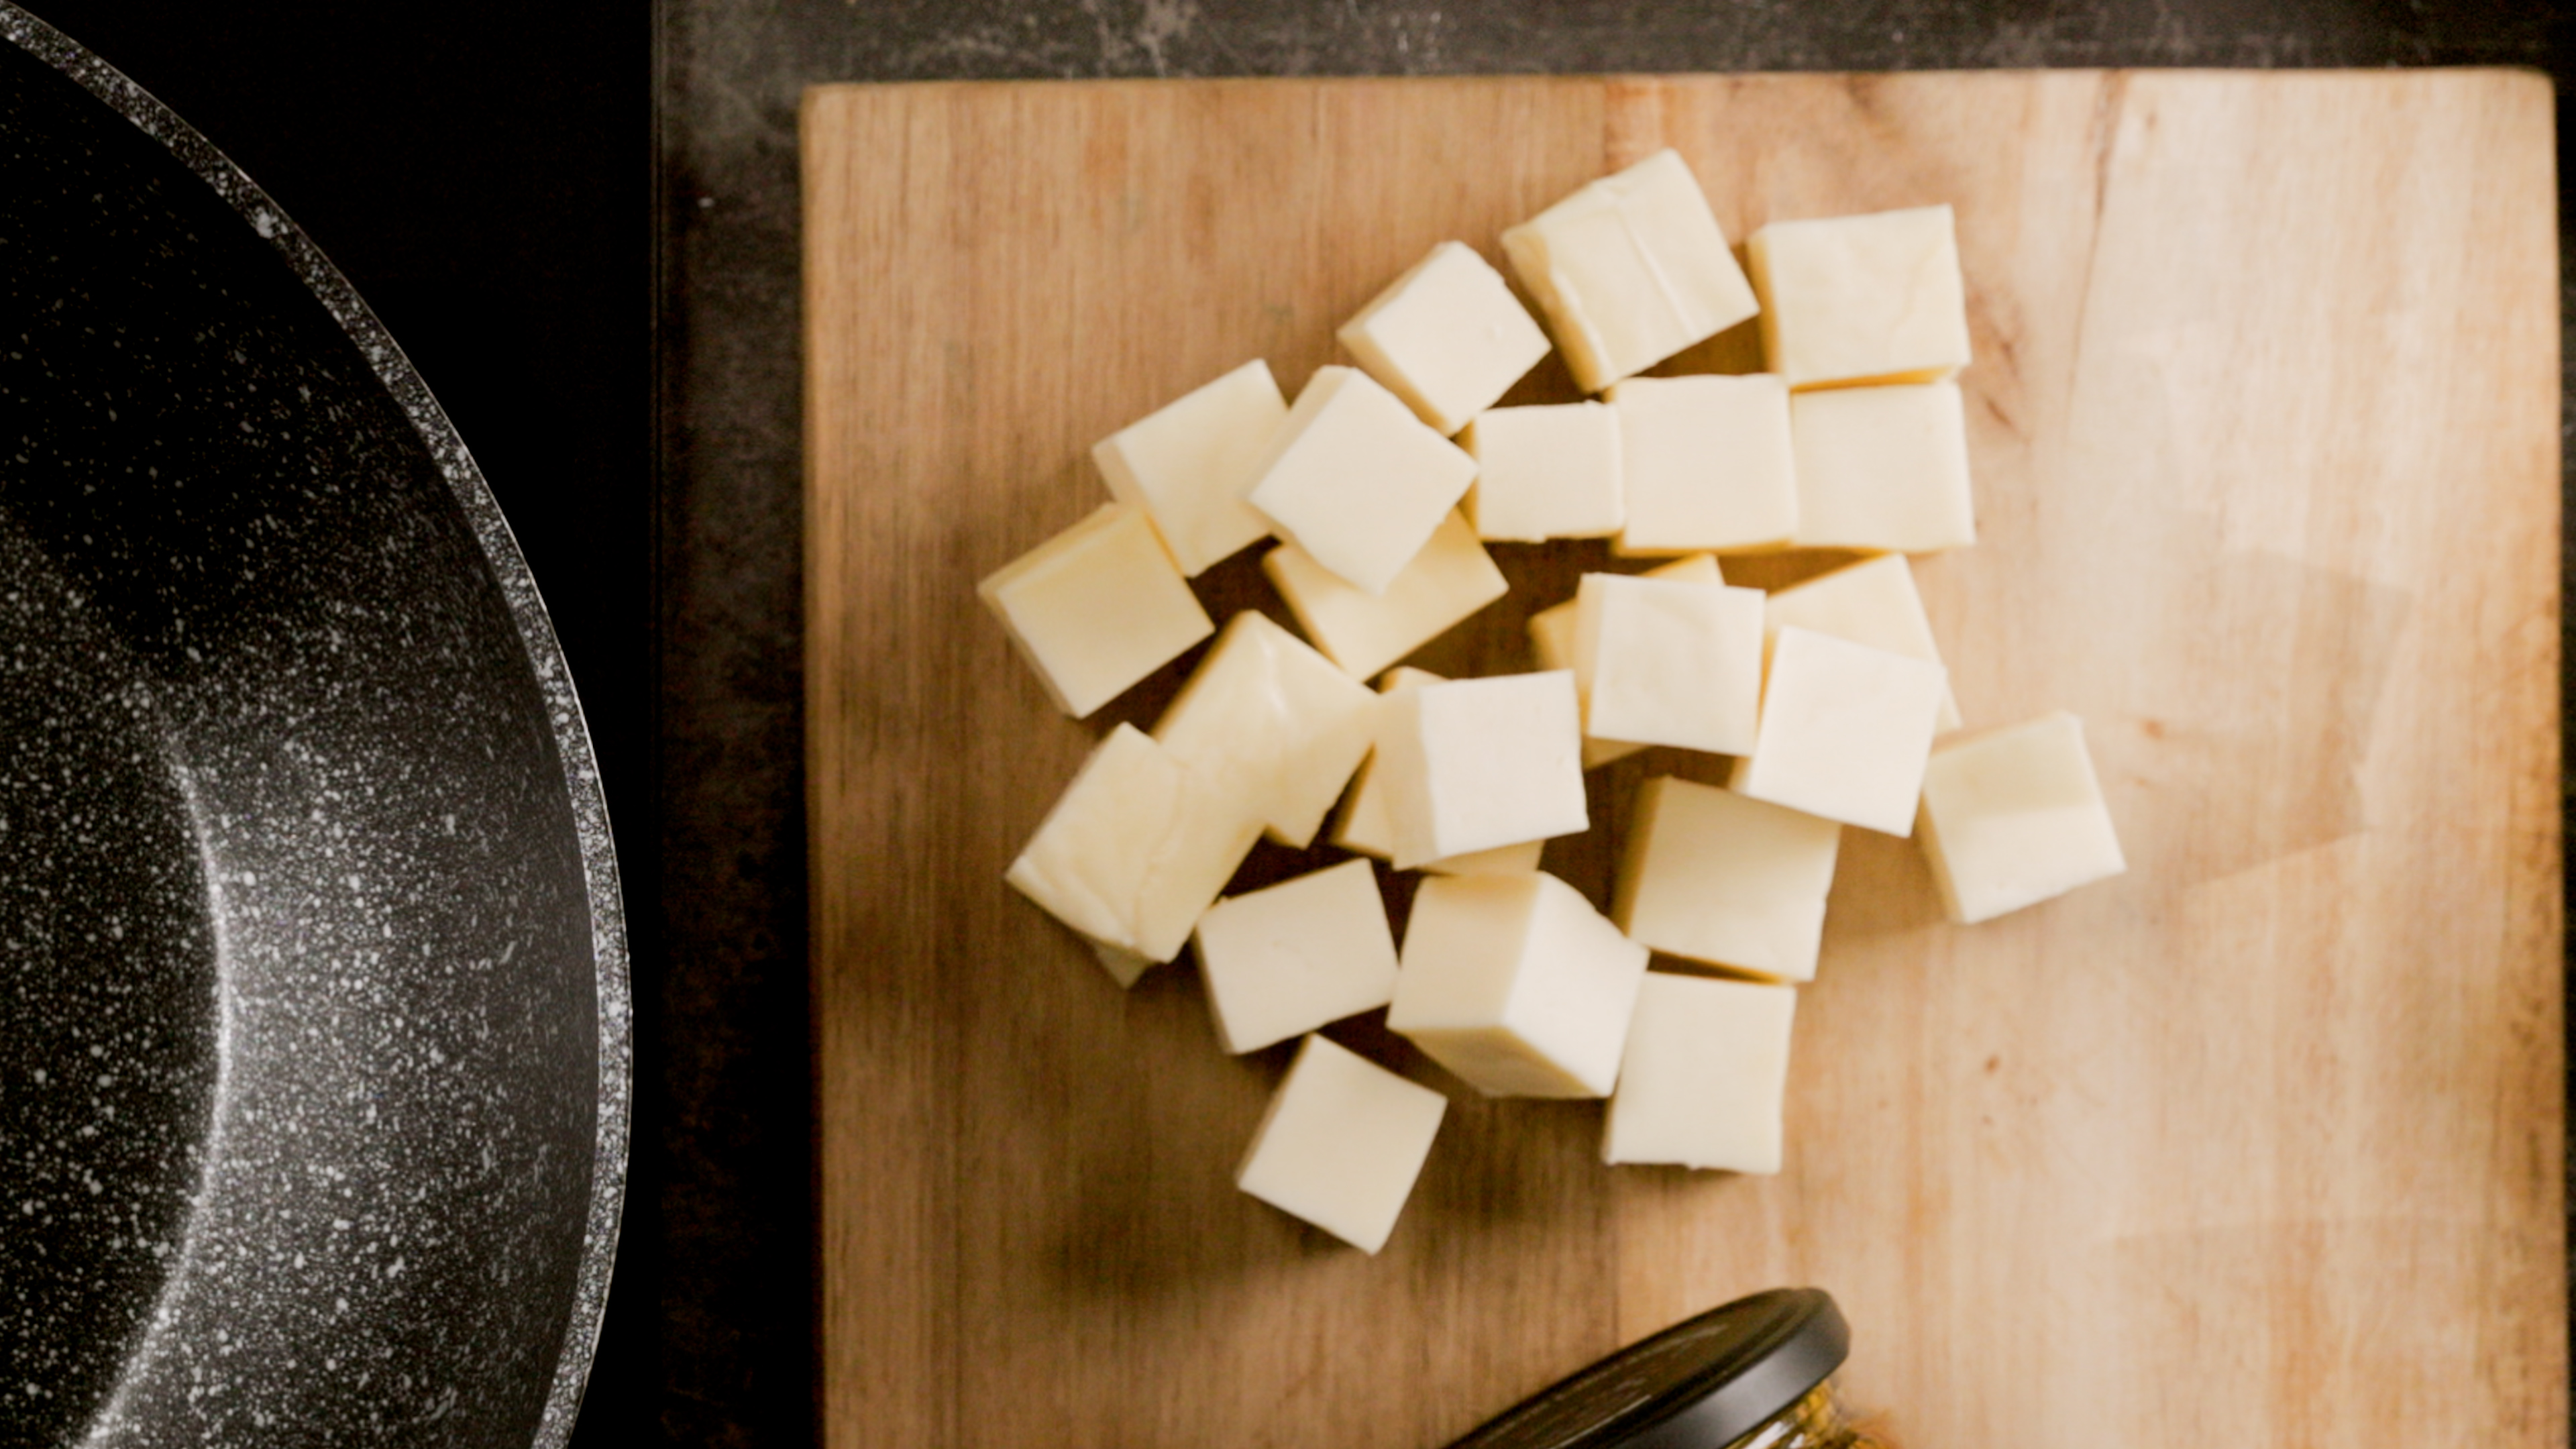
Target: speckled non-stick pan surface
{"type": "Point", "coordinates": [313, 1012]}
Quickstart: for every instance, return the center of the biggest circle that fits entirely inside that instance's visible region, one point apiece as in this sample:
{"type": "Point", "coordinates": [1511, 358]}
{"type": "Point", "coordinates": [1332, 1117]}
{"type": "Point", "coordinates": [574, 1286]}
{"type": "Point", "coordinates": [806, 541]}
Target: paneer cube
{"type": "Point", "coordinates": [1341, 1144]}
{"type": "Point", "coordinates": [1551, 629]}
{"type": "Point", "coordinates": [1471, 764]}
{"type": "Point", "coordinates": [1717, 877]}
{"type": "Point", "coordinates": [1630, 270]}
{"type": "Point", "coordinates": [1285, 960]}
{"type": "Point", "coordinates": [1707, 463]}
{"type": "Point", "coordinates": [1668, 662]}
{"type": "Point", "coordinates": [1883, 468]}
{"type": "Point", "coordinates": [1872, 602]}
{"type": "Point", "coordinates": [1133, 851]}
{"type": "Point", "coordinates": [1189, 463]}
{"type": "Point", "coordinates": [1096, 608]}
{"type": "Point", "coordinates": [1356, 480]}
{"type": "Point", "coordinates": [1268, 718]}
{"type": "Point", "coordinates": [1855, 298]}
{"type": "Point", "coordinates": [1517, 985]}
{"type": "Point", "coordinates": [1551, 632]}
{"type": "Point", "coordinates": [1364, 825]}
{"type": "Point", "coordinates": [2013, 817]}
{"type": "Point", "coordinates": [1448, 337]}
{"type": "Point", "coordinates": [1845, 731]}
{"type": "Point", "coordinates": [1451, 578]}
{"type": "Point", "coordinates": [1545, 472]}
{"type": "Point", "coordinates": [1706, 1079]}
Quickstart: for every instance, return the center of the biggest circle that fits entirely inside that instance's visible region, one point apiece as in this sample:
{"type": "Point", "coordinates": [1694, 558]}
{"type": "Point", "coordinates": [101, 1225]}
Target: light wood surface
{"type": "Point", "coordinates": [2257, 1144]}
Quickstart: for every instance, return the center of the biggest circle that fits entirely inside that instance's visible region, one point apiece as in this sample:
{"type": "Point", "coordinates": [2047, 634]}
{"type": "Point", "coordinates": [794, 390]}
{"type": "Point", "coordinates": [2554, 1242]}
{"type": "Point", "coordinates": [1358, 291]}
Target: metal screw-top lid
{"type": "Point", "coordinates": [1700, 1384]}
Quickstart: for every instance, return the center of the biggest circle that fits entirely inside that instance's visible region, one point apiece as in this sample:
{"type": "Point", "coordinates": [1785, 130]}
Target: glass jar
{"type": "Point", "coordinates": [1753, 1374]}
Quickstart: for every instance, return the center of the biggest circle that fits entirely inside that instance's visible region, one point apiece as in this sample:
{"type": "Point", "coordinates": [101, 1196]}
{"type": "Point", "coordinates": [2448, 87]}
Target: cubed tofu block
{"type": "Point", "coordinates": [1517, 985]}
{"type": "Point", "coordinates": [1471, 764]}
{"type": "Point", "coordinates": [1668, 662]}
{"type": "Point", "coordinates": [1356, 480]}
{"type": "Point", "coordinates": [1451, 578]}
{"type": "Point", "coordinates": [1341, 1144]}
{"type": "Point", "coordinates": [1448, 337]}
{"type": "Point", "coordinates": [1283, 961]}
{"type": "Point", "coordinates": [1630, 270]}
{"type": "Point", "coordinates": [1501, 860]}
{"type": "Point", "coordinates": [1883, 468]}
{"type": "Point", "coordinates": [1848, 298]}
{"type": "Point", "coordinates": [1134, 850]}
{"type": "Point", "coordinates": [1714, 876]}
{"type": "Point", "coordinates": [1268, 718]}
{"type": "Point", "coordinates": [1096, 608]}
{"type": "Point", "coordinates": [1551, 632]}
{"type": "Point", "coordinates": [1706, 462]}
{"type": "Point", "coordinates": [1845, 731]}
{"type": "Point", "coordinates": [2013, 817]}
{"type": "Point", "coordinates": [1872, 602]}
{"type": "Point", "coordinates": [1706, 1076]}
{"type": "Point", "coordinates": [1188, 465]}
{"type": "Point", "coordinates": [1364, 825]}
{"type": "Point", "coordinates": [1551, 629]}
{"type": "Point", "coordinates": [1545, 472]}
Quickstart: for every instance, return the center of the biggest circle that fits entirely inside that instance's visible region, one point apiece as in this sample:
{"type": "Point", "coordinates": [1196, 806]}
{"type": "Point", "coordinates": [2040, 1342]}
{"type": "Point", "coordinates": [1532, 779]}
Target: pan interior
{"type": "Point", "coordinates": [107, 1033]}
{"type": "Point", "coordinates": [295, 871]}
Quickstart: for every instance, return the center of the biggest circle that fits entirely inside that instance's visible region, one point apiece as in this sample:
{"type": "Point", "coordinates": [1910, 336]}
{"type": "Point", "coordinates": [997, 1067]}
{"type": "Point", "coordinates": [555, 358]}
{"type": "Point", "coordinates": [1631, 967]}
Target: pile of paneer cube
{"type": "Point", "coordinates": [1383, 483]}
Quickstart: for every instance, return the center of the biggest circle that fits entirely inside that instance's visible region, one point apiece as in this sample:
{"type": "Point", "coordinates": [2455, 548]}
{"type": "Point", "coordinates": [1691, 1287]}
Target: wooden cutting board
{"type": "Point", "coordinates": [2257, 1144]}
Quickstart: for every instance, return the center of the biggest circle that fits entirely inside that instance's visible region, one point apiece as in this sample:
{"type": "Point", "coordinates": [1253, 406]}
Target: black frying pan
{"type": "Point", "coordinates": [313, 1015]}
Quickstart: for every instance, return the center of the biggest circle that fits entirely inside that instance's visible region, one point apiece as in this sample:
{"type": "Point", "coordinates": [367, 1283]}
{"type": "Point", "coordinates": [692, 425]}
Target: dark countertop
{"type": "Point", "coordinates": [580, 221]}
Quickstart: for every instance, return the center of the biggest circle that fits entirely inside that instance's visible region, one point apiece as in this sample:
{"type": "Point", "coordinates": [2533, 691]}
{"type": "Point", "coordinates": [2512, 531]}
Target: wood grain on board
{"type": "Point", "coordinates": [2259, 1143]}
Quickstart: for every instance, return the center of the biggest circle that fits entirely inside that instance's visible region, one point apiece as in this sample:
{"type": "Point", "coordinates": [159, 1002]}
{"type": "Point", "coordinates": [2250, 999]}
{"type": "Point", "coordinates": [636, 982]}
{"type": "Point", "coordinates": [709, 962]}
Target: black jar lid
{"type": "Point", "coordinates": [1700, 1384]}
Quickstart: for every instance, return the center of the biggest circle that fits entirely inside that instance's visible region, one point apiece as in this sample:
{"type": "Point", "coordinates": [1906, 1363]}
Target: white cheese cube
{"type": "Point", "coordinates": [1451, 578]}
{"type": "Point", "coordinates": [1551, 629]}
{"type": "Point", "coordinates": [1356, 480]}
{"type": "Point", "coordinates": [1096, 608]}
{"type": "Point", "coordinates": [1133, 851]}
{"type": "Point", "coordinates": [1283, 961]}
{"type": "Point", "coordinates": [1341, 1144]}
{"type": "Point", "coordinates": [1849, 298]}
{"type": "Point", "coordinates": [2014, 817]}
{"type": "Point", "coordinates": [1268, 718]}
{"type": "Point", "coordinates": [1448, 337]}
{"type": "Point", "coordinates": [1471, 764]}
{"type": "Point", "coordinates": [1845, 731]}
{"type": "Point", "coordinates": [1364, 825]}
{"type": "Point", "coordinates": [1501, 860]}
{"type": "Point", "coordinates": [1707, 463]}
{"type": "Point", "coordinates": [1630, 270]}
{"type": "Point", "coordinates": [1545, 472]}
{"type": "Point", "coordinates": [1188, 465]}
{"type": "Point", "coordinates": [1551, 633]}
{"type": "Point", "coordinates": [1517, 985]}
{"type": "Point", "coordinates": [1667, 662]}
{"type": "Point", "coordinates": [1714, 876]}
{"type": "Point", "coordinates": [1124, 966]}
{"type": "Point", "coordinates": [1404, 675]}
{"type": "Point", "coordinates": [1706, 1076]}
{"type": "Point", "coordinates": [1872, 602]}
{"type": "Point", "coordinates": [1883, 468]}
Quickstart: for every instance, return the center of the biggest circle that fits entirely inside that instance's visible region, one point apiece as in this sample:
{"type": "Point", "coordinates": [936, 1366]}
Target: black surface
{"type": "Point", "coordinates": [487, 176]}
{"type": "Point", "coordinates": [270, 673]}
